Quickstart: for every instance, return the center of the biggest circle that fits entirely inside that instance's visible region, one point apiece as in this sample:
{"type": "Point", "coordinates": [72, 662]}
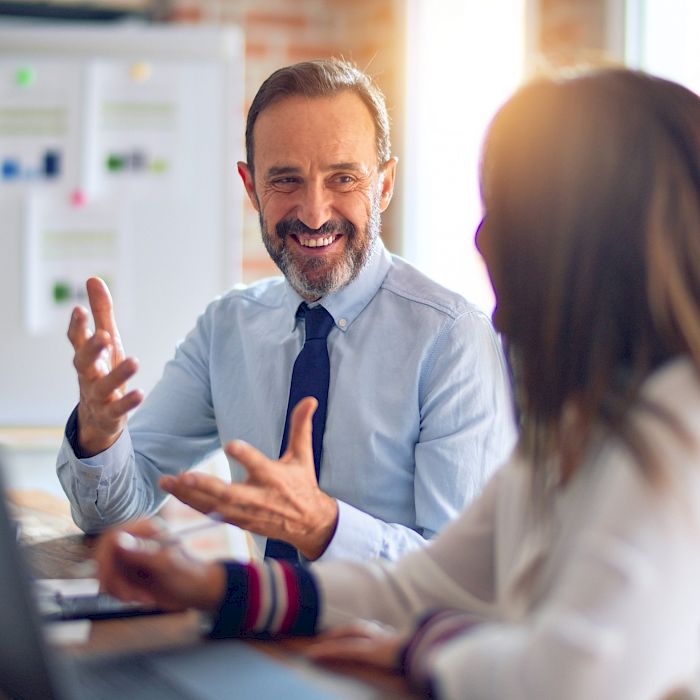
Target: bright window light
{"type": "Point", "coordinates": [464, 58]}
{"type": "Point", "coordinates": [663, 39]}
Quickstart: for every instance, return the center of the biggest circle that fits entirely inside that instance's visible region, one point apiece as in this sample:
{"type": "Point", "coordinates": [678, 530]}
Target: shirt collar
{"type": "Point", "coordinates": [346, 304]}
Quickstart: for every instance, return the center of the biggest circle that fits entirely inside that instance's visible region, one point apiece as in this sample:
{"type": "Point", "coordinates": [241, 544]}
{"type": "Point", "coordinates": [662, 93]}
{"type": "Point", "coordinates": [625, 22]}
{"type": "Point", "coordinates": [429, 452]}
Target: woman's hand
{"type": "Point", "coordinates": [364, 643]}
{"type": "Point", "coordinates": [132, 565]}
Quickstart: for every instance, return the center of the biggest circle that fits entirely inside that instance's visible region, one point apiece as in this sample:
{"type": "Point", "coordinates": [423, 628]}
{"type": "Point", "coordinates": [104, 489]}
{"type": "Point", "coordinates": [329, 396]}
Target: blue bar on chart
{"type": "Point", "coordinates": [49, 167]}
{"type": "Point", "coordinates": [52, 164]}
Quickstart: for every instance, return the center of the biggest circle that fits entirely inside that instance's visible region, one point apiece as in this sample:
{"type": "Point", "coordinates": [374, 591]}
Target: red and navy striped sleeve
{"type": "Point", "coordinates": [432, 631]}
{"type": "Point", "coordinates": [267, 599]}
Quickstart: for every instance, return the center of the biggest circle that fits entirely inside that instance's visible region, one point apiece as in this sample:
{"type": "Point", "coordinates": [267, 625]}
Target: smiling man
{"type": "Point", "coordinates": [414, 409]}
{"type": "Point", "coordinates": [319, 211]}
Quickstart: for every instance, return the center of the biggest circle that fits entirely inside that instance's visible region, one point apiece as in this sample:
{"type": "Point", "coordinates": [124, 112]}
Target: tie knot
{"type": "Point", "coordinates": [318, 322]}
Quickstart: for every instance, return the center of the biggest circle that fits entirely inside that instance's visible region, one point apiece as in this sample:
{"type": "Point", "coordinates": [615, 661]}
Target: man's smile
{"type": "Point", "coordinates": [316, 243]}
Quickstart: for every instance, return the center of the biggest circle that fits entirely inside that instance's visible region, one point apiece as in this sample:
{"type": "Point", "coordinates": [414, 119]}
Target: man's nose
{"type": "Point", "coordinates": [315, 207]}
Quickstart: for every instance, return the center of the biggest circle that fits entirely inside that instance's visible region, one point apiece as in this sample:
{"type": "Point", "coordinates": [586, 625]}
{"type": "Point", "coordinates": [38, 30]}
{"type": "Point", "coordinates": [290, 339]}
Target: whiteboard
{"type": "Point", "coordinates": [118, 150]}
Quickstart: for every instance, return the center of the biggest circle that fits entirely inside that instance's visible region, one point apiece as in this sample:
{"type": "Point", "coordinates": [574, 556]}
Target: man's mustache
{"type": "Point", "coordinates": [297, 228]}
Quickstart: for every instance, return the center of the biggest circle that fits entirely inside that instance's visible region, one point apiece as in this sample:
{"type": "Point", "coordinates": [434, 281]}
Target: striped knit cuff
{"type": "Point", "coordinates": [433, 630]}
{"type": "Point", "coordinates": [267, 598]}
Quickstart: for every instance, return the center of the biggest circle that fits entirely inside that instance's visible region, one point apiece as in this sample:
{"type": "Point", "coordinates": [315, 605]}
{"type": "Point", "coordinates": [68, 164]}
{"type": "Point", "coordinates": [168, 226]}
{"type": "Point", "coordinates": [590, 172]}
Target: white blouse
{"type": "Point", "coordinates": [589, 591]}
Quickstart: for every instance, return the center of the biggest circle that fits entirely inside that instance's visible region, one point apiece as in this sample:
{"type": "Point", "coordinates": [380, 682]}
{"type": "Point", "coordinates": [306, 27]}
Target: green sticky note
{"type": "Point", "coordinates": [25, 77]}
{"type": "Point", "coordinates": [114, 162]}
{"type": "Point", "coordinates": [61, 292]}
{"type": "Point", "coordinates": [158, 165]}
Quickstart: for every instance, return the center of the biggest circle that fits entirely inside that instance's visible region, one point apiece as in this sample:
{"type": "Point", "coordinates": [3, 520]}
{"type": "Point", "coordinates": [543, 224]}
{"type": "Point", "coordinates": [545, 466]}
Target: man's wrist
{"type": "Point", "coordinates": [89, 441]}
{"type": "Point", "coordinates": [91, 444]}
{"type": "Point", "coordinates": [323, 533]}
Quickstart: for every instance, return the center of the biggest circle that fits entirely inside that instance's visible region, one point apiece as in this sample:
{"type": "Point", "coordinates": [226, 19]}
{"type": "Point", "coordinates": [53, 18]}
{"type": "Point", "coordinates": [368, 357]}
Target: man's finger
{"type": "Point", "coordinates": [192, 496]}
{"type": "Point", "coordinates": [78, 331]}
{"type": "Point", "coordinates": [251, 459]}
{"type": "Point", "coordinates": [101, 304]}
{"type": "Point", "coordinates": [92, 354]}
{"type": "Point", "coordinates": [105, 387]}
{"type": "Point", "coordinates": [205, 483]}
{"type": "Point", "coordinates": [128, 402]}
{"type": "Point", "coordinates": [103, 311]}
{"type": "Point", "coordinates": [300, 431]}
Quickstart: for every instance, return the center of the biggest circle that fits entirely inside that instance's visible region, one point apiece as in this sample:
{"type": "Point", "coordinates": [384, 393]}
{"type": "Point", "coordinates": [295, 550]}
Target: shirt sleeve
{"type": "Point", "coordinates": [173, 430]}
{"type": "Point", "coordinates": [432, 632]}
{"type": "Point", "coordinates": [467, 430]}
{"type": "Point", "coordinates": [102, 489]}
{"type": "Point", "coordinates": [266, 599]}
{"type": "Point", "coordinates": [360, 536]}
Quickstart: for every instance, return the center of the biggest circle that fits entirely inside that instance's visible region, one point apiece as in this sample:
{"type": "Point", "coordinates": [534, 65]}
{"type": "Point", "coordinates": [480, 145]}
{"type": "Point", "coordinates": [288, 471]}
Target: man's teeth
{"type": "Point", "coordinates": [316, 242]}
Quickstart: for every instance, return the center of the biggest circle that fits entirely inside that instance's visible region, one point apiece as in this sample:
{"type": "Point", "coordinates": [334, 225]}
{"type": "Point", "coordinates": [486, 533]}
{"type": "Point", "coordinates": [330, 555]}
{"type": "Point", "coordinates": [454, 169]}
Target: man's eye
{"type": "Point", "coordinates": [344, 180]}
{"type": "Point", "coordinates": [285, 183]}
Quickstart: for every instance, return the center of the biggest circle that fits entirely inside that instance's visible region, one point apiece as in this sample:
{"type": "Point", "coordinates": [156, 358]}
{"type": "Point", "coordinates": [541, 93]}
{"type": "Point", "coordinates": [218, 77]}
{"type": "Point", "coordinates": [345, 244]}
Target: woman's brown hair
{"type": "Point", "coordinates": [591, 192]}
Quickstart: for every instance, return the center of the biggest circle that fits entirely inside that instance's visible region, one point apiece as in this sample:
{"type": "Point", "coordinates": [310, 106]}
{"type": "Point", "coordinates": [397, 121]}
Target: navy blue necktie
{"type": "Point", "coordinates": [310, 377]}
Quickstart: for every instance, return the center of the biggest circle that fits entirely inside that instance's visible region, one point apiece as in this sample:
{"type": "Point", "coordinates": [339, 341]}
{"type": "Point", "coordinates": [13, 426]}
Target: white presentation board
{"type": "Point", "coordinates": [118, 150]}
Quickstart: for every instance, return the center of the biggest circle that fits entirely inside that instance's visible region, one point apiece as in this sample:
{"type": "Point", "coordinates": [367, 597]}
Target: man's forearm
{"type": "Point", "coordinates": [106, 489]}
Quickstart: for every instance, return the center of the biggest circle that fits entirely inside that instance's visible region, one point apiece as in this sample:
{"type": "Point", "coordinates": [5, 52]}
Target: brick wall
{"type": "Point", "coordinates": [570, 32]}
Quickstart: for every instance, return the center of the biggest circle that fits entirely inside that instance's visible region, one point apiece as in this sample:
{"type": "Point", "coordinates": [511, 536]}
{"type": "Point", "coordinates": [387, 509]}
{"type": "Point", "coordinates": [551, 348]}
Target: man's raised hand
{"type": "Point", "coordinates": [102, 372]}
{"type": "Point", "coordinates": [279, 499]}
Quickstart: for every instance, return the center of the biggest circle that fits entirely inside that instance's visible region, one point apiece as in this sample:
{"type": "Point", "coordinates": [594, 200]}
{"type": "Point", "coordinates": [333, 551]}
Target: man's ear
{"type": "Point", "coordinates": [387, 175]}
{"type": "Point", "coordinates": [249, 183]}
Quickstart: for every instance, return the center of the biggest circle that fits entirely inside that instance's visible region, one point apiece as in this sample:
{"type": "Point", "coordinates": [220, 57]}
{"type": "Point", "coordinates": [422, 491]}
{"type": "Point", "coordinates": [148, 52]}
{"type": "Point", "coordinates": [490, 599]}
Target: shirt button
{"type": "Point", "coordinates": [342, 322]}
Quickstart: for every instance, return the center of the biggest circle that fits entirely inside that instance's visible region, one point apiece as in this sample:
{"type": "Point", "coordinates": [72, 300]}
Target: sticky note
{"type": "Point", "coordinates": [10, 169]}
{"type": "Point", "coordinates": [115, 162]}
{"type": "Point", "coordinates": [140, 72]}
{"type": "Point", "coordinates": [78, 198]}
{"type": "Point", "coordinates": [25, 76]}
{"type": "Point", "coordinates": [61, 292]}
{"type": "Point", "coordinates": [52, 164]}
{"type": "Point", "coordinates": [158, 165]}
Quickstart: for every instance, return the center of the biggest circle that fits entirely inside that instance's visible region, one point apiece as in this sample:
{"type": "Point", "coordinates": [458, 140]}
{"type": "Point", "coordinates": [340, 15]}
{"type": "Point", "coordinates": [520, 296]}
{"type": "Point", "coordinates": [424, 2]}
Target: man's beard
{"type": "Point", "coordinates": [316, 277]}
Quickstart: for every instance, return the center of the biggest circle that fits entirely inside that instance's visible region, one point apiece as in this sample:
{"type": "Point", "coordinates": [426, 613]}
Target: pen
{"type": "Point", "coordinates": [165, 538]}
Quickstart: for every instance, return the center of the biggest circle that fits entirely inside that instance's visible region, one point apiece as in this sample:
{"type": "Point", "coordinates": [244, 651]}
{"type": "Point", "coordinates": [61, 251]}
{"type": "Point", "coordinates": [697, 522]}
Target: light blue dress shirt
{"type": "Point", "coordinates": [419, 407]}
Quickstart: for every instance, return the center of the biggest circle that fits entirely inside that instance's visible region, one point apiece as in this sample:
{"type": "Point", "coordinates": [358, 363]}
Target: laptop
{"type": "Point", "coordinates": [31, 669]}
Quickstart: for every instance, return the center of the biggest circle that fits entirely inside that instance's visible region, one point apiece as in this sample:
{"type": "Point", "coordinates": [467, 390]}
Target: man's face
{"type": "Point", "coordinates": [318, 189]}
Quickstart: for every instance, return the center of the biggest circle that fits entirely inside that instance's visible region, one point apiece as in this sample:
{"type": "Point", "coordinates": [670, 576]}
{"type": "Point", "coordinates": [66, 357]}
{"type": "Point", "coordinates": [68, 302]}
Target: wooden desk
{"type": "Point", "coordinates": [64, 556]}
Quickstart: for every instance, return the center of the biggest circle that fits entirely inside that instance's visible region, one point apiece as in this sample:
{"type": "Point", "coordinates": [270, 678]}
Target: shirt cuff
{"type": "Point", "coordinates": [266, 599]}
{"type": "Point", "coordinates": [228, 620]}
{"type": "Point", "coordinates": [358, 536]}
{"type": "Point", "coordinates": [110, 461]}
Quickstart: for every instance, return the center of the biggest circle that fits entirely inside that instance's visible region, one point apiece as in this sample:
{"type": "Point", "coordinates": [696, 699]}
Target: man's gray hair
{"type": "Point", "coordinates": [321, 78]}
